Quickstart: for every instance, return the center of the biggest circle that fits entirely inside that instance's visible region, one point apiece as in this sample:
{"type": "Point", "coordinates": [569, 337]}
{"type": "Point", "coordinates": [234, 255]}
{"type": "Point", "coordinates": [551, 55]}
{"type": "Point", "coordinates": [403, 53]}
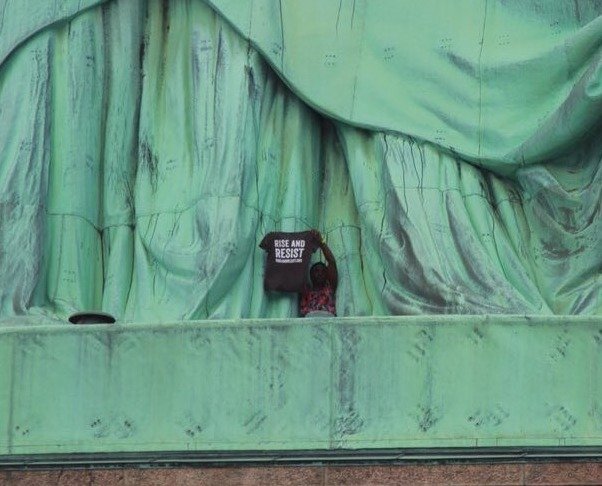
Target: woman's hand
{"type": "Point", "coordinates": [317, 236]}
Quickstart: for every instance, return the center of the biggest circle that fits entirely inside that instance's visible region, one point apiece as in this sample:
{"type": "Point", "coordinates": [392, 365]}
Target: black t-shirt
{"type": "Point", "coordinates": [288, 258]}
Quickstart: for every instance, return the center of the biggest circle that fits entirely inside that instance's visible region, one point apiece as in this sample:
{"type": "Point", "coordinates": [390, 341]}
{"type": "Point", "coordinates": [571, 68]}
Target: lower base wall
{"type": "Point", "coordinates": [363, 383]}
{"type": "Point", "coordinates": [450, 474]}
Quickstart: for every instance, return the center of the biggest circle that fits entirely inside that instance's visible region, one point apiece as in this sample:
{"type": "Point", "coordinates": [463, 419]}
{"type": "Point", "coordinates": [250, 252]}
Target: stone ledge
{"type": "Point", "coordinates": [555, 474]}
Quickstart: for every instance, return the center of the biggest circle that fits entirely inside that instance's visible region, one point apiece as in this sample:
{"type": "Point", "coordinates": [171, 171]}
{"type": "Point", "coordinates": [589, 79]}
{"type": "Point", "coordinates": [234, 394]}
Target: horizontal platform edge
{"type": "Point", "coordinates": [457, 455]}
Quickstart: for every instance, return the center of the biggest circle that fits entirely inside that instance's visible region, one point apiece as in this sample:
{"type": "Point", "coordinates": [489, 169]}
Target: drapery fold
{"type": "Point", "coordinates": [147, 146]}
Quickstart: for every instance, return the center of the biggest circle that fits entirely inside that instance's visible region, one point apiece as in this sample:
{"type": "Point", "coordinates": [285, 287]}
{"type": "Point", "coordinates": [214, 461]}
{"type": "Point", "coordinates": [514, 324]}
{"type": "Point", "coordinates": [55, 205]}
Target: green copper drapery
{"type": "Point", "coordinates": [450, 154]}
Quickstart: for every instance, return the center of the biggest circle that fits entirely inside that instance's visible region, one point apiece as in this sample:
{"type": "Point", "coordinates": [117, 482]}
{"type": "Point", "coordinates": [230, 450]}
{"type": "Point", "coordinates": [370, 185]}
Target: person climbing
{"type": "Point", "coordinates": [318, 299]}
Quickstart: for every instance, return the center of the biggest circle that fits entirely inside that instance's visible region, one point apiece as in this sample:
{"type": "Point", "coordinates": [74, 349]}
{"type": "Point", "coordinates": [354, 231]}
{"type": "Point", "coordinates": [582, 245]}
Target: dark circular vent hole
{"type": "Point", "coordinates": [91, 318]}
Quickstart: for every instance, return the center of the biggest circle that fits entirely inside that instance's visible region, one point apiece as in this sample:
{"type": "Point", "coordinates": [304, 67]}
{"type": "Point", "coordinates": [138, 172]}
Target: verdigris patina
{"type": "Point", "coordinates": [450, 153]}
